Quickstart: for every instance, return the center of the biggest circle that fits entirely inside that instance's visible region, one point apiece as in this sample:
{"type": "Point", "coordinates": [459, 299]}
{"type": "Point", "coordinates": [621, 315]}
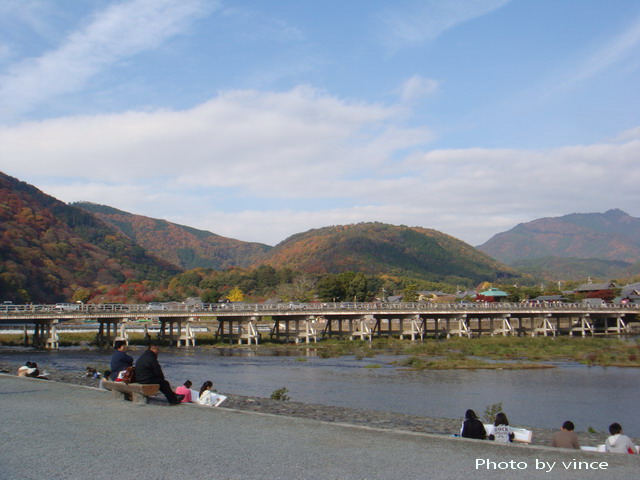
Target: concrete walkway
{"type": "Point", "coordinates": [54, 430]}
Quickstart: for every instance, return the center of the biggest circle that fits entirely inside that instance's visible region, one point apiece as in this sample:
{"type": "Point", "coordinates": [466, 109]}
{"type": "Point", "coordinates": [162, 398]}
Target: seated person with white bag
{"type": "Point", "coordinates": [208, 396]}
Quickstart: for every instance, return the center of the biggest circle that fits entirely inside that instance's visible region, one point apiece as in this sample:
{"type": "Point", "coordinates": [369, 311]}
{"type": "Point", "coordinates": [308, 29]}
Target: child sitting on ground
{"type": "Point", "coordinates": [208, 397]}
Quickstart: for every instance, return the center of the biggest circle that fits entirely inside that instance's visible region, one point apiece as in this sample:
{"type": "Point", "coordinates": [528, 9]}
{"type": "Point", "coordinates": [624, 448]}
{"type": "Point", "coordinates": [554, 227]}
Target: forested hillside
{"type": "Point", "coordinates": [555, 268]}
{"type": "Point", "coordinates": [184, 246]}
{"type": "Point", "coordinates": [613, 235]}
{"type": "Point", "coordinates": [376, 248]}
{"type": "Point", "coordinates": [52, 251]}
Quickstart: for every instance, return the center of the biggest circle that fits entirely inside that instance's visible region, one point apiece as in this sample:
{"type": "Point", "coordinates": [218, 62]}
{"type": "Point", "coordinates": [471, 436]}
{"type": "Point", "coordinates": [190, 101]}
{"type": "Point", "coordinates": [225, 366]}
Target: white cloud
{"type": "Point", "coordinates": [30, 13]}
{"type": "Point", "coordinates": [262, 165]}
{"type": "Point", "coordinates": [277, 144]}
{"type": "Point", "coordinates": [619, 48]}
{"type": "Point", "coordinates": [524, 183]}
{"type": "Point", "coordinates": [630, 134]}
{"type": "Point", "coordinates": [120, 31]}
{"type": "Point", "coordinates": [417, 87]}
{"type": "Point", "coordinates": [127, 196]}
{"type": "Point", "coordinates": [424, 21]}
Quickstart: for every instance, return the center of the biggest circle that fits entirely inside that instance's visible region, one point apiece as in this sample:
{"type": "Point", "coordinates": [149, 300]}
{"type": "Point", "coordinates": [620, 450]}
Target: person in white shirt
{"type": "Point", "coordinates": [617, 442]}
{"type": "Point", "coordinates": [501, 431]}
{"type": "Point", "coordinates": [208, 395]}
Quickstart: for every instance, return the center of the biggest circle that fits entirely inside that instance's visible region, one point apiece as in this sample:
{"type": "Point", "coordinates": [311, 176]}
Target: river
{"type": "Point", "coordinates": [589, 396]}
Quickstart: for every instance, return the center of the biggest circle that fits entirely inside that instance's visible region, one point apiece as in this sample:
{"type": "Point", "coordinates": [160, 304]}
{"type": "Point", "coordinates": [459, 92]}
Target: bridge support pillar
{"type": "Point", "coordinates": [582, 326]}
{"type": "Point", "coordinates": [45, 335]}
{"type": "Point", "coordinates": [296, 327]}
{"type": "Point", "coordinates": [545, 328]}
{"type": "Point", "coordinates": [244, 330]}
{"type": "Point", "coordinates": [336, 321]}
{"type": "Point", "coordinates": [414, 330]}
{"type": "Point", "coordinates": [248, 332]}
{"type": "Point", "coordinates": [362, 329]}
{"type": "Point", "coordinates": [307, 332]}
{"type": "Point", "coordinates": [122, 334]}
{"type": "Point", "coordinates": [175, 334]}
{"type": "Point", "coordinates": [461, 327]}
{"type": "Point", "coordinates": [188, 337]}
{"type": "Point", "coordinates": [619, 328]}
{"type": "Point", "coordinates": [505, 328]}
{"type": "Point", "coordinates": [107, 331]}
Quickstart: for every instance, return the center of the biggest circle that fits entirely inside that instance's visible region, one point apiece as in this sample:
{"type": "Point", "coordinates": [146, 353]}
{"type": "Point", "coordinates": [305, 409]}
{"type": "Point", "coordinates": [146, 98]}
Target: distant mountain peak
{"type": "Point", "coordinates": [616, 213]}
{"type": "Point", "coordinates": [613, 236]}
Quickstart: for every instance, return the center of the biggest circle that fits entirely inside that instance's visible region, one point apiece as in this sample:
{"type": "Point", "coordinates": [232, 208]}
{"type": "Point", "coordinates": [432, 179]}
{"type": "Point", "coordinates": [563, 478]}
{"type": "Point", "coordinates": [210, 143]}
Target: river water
{"type": "Point", "coordinates": [589, 396]}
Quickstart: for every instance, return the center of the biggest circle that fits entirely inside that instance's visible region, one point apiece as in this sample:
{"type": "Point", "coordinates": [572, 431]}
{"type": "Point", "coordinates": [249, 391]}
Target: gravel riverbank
{"type": "Point", "coordinates": [372, 418]}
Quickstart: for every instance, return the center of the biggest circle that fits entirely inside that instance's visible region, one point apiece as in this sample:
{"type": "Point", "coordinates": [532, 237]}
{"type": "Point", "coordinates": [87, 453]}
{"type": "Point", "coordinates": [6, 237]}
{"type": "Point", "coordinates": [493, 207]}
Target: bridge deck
{"type": "Point", "coordinates": [352, 320]}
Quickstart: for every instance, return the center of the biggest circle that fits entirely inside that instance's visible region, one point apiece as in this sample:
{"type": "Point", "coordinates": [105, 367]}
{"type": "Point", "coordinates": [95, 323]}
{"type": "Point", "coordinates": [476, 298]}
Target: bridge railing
{"type": "Point", "coordinates": [164, 308]}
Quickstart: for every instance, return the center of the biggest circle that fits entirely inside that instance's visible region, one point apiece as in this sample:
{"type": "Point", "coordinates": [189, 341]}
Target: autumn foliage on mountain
{"type": "Point", "coordinates": [579, 245]}
{"type": "Point", "coordinates": [378, 248]}
{"type": "Point", "coordinates": [613, 235]}
{"type": "Point", "coordinates": [54, 252]}
{"type": "Point", "coordinates": [183, 246]}
{"type": "Point", "coordinates": [372, 248]}
{"type": "Point", "coordinates": [51, 250]}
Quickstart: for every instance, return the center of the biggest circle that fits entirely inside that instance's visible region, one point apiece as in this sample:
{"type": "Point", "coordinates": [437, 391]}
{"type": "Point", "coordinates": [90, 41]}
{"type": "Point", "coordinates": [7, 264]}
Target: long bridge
{"type": "Point", "coordinates": [307, 322]}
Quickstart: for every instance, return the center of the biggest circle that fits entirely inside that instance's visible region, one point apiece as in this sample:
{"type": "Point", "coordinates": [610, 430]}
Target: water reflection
{"type": "Point", "coordinates": [589, 396]}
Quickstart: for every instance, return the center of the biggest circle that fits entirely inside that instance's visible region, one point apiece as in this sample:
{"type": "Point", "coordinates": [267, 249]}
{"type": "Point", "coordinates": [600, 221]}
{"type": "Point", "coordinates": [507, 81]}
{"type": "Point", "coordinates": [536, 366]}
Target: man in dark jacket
{"type": "Point", "coordinates": [148, 370]}
{"type": "Point", "coordinates": [120, 360]}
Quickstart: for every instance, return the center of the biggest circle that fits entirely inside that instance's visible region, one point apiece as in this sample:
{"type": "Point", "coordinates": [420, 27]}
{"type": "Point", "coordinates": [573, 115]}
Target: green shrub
{"type": "Point", "coordinates": [413, 362]}
{"type": "Point", "coordinates": [491, 411]}
{"type": "Point", "coordinates": [280, 394]}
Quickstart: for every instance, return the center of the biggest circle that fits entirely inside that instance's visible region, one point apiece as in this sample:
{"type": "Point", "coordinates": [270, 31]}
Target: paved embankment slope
{"type": "Point", "coordinates": [331, 413]}
{"type": "Point", "coordinates": [56, 430]}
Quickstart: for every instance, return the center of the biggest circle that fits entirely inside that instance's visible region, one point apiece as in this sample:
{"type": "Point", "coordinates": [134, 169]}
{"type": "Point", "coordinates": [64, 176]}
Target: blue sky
{"type": "Point", "coordinates": [258, 119]}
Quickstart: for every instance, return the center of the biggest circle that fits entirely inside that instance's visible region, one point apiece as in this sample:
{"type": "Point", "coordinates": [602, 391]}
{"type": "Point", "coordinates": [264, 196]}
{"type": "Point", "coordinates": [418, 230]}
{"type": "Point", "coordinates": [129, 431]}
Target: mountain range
{"type": "Point", "coordinates": [50, 250]}
{"type": "Point", "coordinates": [574, 245]}
{"type": "Point", "coordinates": [180, 245]}
{"type": "Point", "coordinates": [373, 248]}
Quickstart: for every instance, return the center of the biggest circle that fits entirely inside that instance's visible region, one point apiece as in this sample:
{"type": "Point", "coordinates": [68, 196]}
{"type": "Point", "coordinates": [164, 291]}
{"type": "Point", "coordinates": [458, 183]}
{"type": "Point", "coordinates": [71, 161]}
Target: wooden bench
{"type": "Point", "coordinates": [139, 392]}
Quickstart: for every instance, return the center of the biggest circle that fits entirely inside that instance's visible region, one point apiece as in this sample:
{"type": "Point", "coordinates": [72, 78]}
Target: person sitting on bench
{"type": "Point", "coordinates": [149, 371]}
{"type": "Point", "coordinates": [120, 360]}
